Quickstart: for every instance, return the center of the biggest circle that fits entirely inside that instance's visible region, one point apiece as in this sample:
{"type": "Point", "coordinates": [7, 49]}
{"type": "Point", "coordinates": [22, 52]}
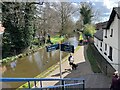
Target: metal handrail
{"type": "Point", "coordinates": [57, 86]}
{"type": "Point", "coordinates": [62, 80]}
{"type": "Point", "coordinates": [38, 79]}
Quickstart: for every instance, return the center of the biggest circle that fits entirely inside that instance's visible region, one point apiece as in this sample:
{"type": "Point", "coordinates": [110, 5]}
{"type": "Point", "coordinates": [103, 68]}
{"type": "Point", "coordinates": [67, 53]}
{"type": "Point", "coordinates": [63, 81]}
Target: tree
{"type": "Point", "coordinates": [69, 26]}
{"type": "Point", "coordinates": [89, 30]}
{"type": "Point", "coordinates": [17, 19]}
{"type": "Point", "coordinates": [97, 17]}
{"type": "Point", "coordinates": [46, 20]}
{"type": "Point", "coordinates": [79, 25]}
{"type": "Point", "coordinates": [86, 12]}
{"type": "Point", "coordinates": [54, 17]}
{"type": "Point", "coordinates": [29, 26]}
{"type": "Point", "coordinates": [65, 10]}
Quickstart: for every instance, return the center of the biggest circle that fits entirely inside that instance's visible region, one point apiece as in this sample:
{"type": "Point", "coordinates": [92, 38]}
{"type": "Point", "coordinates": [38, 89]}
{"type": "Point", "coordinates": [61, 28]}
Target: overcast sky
{"type": "Point", "coordinates": [104, 6]}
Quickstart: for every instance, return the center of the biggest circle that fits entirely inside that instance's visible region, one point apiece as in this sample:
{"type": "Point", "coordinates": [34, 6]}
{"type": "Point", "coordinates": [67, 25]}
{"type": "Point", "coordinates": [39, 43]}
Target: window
{"type": "Point", "coordinates": [110, 54]}
{"type": "Point", "coordinates": [111, 33]}
{"type": "Point", "coordinates": [105, 47]}
{"type": "Point", "coordinates": [100, 49]}
{"type": "Point", "coordinates": [101, 44]}
{"type": "Point", "coordinates": [97, 43]}
{"type": "Point", "coordinates": [105, 53]}
{"type": "Point", "coordinates": [105, 33]}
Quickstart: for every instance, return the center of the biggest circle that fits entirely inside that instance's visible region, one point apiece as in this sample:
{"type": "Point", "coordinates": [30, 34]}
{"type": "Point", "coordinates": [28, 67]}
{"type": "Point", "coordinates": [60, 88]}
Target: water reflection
{"type": "Point", "coordinates": [73, 41]}
{"type": "Point", "coordinates": [37, 58]}
{"type": "Point", "coordinates": [13, 65]}
{"type": "Point", "coordinates": [34, 64]}
{"type": "Point", "coordinates": [53, 53]}
{"type": "Point", "coordinates": [2, 69]}
{"type": "Point", "coordinates": [30, 58]}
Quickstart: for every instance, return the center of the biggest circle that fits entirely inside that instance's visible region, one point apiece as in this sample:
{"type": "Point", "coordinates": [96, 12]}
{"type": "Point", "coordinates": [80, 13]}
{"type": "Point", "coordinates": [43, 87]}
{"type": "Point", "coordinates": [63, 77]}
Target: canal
{"type": "Point", "coordinates": [33, 65]}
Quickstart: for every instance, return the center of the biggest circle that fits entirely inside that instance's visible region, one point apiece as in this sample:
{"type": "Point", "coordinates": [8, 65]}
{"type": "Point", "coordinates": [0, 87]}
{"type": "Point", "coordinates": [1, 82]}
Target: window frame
{"type": "Point", "coordinates": [110, 53]}
{"type": "Point", "coordinates": [105, 33]}
{"type": "Point", "coordinates": [105, 47]}
{"type": "Point", "coordinates": [100, 44]}
{"type": "Point", "coordinates": [111, 33]}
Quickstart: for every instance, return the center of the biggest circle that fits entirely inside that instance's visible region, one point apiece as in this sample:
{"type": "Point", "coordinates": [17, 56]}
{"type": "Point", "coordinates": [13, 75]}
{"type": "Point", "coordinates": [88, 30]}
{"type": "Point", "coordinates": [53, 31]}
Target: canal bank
{"type": "Point", "coordinates": [31, 50]}
{"type": "Point", "coordinates": [92, 80]}
{"type": "Point", "coordinates": [50, 70]}
{"type": "Point", "coordinates": [34, 64]}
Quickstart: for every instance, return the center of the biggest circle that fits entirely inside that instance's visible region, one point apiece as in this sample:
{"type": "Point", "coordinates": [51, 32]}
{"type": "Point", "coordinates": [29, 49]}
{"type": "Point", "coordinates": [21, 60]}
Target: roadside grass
{"type": "Point", "coordinates": [21, 55]}
{"type": "Point", "coordinates": [56, 39]}
{"type": "Point", "coordinates": [92, 59]}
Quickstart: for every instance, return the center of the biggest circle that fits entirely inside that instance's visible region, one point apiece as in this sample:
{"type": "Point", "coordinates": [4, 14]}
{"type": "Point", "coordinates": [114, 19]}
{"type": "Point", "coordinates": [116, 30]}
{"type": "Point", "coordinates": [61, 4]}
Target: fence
{"type": "Point", "coordinates": [63, 83]}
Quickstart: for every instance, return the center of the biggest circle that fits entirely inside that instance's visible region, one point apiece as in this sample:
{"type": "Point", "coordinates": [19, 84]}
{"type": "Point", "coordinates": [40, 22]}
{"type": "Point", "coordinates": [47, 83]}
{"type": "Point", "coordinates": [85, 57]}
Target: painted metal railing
{"type": "Point", "coordinates": [63, 83]}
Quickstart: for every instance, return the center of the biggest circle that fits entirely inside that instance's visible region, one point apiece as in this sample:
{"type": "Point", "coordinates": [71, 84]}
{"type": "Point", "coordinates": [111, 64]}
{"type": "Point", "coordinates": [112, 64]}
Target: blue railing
{"type": "Point", "coordinates": [64, 83]}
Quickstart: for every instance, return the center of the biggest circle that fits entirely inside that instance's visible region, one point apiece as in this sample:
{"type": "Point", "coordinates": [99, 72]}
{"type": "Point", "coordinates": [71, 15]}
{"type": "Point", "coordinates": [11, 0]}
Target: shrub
{"type": "Point", "coordinates": [89, 30]}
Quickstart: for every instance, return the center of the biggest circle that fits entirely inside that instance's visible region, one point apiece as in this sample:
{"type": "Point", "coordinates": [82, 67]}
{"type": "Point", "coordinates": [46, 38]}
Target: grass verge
{"type": "Point", "coordinates": [21, 55]}
{"type": "Point", "coordinates": [56, 39]}
{"type": "Point", "coordinates": [92, 59]}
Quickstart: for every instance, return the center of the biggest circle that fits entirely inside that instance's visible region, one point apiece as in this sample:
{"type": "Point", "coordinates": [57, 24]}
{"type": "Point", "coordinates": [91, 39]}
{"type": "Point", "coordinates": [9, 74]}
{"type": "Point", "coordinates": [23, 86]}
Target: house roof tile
{"type": "Point", "coordinates": [99, 35]}
{"type": "Point", "coordinates": [101, 25]}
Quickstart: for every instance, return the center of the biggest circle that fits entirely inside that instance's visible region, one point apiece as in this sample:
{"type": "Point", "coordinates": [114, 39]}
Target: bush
{"type": "Point", "coordinates": [89, 30]}
{"type": "Point", "coordinates": [35, 41]}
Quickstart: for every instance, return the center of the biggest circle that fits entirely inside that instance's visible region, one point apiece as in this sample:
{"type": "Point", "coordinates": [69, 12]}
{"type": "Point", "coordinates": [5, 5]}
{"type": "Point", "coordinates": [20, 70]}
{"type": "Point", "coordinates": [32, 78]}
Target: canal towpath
{"type": "Point", "coordinates": [92, 80]}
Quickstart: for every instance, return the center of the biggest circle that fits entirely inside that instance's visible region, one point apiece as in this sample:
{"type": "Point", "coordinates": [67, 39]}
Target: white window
{"type": "Point", "coordinates": [111, 33]}
{"type": "Point", "coordinates": [110, 53]}
{"type": "Point", "coordinates": [101, 44]}
{"type": "Point", "coordinates": [106, 33]}
{"type": "Point", "coordinates": [105, 47]}
{"type": "Point", "coordinates": [97, 43]}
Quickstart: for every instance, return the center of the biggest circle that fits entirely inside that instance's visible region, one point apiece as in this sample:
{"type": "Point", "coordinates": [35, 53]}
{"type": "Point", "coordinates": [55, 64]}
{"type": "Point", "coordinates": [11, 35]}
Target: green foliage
{"type": "Point", "coordinates": [57, 39]}
{"type": "Point", "coordinates": [92, 59]}
{"type": "Point", "coordinates": [89, 30]}
{"type": "Point", "coordinates": [35, 41]}
{"type": "Point", "coordinates": [17, 19]}
{"type": "Point", "coordinates": [13, 58]}
{"type": "Point", "coordinates": [86, 12]}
